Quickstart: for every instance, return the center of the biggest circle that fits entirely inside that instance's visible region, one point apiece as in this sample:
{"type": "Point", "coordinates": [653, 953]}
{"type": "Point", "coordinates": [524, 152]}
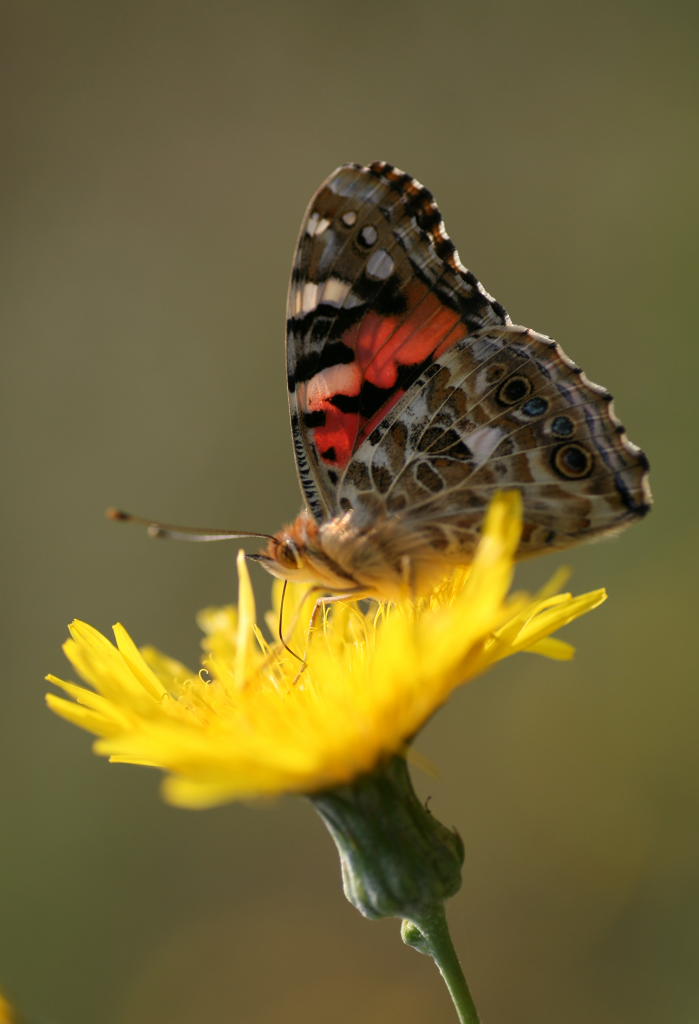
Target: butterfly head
{"type": "Point", "coordinates": [286, 554]}
{"type": "Point", "coordinates": [298, 553]}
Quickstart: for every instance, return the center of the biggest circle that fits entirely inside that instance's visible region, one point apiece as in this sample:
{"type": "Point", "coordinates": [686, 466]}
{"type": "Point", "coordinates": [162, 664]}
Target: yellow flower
{"type": "Point", "coordinates": [251, 723]}
{"type": "Point", "coordinates": [7, 1014]}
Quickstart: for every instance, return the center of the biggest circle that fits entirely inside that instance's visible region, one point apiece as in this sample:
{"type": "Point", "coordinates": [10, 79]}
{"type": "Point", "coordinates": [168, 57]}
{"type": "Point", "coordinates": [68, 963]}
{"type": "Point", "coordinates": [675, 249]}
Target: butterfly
{"type": "Point", "coordinates": [414, 398]}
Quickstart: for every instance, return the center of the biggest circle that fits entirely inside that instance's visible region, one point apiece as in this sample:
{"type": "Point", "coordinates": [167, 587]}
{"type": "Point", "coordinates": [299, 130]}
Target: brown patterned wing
{"type": "Point", "coordinates": [504, 408]}
{"type": "Point", "coordinates": [377, 292]}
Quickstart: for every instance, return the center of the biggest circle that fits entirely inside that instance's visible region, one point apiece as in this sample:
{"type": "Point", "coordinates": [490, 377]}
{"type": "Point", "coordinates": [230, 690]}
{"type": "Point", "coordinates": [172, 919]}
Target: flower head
{"type": "Point", "coordinates": [253, 722]}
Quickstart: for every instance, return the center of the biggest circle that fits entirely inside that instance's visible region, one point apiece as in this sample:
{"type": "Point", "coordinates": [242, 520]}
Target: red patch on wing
{"type": "Point", "coordinates": [336, 438]}
{"type": "Point", "coordinates": [384, 346]}
{"type": "Point", "coordinates": [385, 343]}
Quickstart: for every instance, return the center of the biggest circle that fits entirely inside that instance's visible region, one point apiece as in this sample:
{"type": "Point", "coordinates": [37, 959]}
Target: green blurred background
{"type": "Point", "coordinates": [159, 157]}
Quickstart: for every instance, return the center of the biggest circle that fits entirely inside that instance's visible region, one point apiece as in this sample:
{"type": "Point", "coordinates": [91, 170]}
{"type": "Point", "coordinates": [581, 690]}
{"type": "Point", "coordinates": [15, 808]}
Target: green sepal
{"type": "Point", "coordinates": [397, 859]}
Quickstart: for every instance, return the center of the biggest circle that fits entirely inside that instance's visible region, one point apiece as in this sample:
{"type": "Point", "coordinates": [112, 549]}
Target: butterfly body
{"type": "Point", "coordinates": [388, 558]}
{"type": "Point", "coordinates": [414, 398]}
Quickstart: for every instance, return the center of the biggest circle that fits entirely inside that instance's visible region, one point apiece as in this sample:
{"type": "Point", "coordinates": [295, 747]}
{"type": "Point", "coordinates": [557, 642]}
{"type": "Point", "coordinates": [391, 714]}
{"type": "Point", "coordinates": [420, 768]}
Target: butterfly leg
{"type": "Point", "coordinates": [330, 599]}
{"type": "Point", "coordinates": [318, 607]}
{"type": "Point", "coordinates": [407, 568]}
{"type": "Point", "coordinates": [313, 622]}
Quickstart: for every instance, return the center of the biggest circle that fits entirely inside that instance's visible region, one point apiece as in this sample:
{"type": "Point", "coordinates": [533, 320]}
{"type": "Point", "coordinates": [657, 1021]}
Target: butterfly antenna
{"type": "Point", "coordinates": [170, 532]}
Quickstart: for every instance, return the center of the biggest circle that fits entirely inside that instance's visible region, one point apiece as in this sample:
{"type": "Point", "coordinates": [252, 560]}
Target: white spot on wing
{"type": "Point", "coordinates": [483, 441]}
{"type": "Point", "coordinates": [316, 225]}
{"type": "Point", "coordinates": [311, 224]}
{"type": "Point", "coordinates": [342, 379]}
{"type": "Point", "coordinates": [309, 297]}
{"type": "Point", "coordinates": [335, 291]}
{"type": "Point", "coordinates": [380, 265]}
{"type": "Point", "coordinates": [295, 299]}
{"type": "Point", "coordinates": [332, 292]}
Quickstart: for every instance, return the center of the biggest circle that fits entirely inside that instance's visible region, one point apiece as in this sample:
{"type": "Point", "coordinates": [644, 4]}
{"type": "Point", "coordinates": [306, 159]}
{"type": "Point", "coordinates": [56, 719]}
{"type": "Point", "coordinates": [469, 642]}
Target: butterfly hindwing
{"type": "Point", "coordinates": [377, 293]}
{"type": "Point", "coordinates": [504, 409]}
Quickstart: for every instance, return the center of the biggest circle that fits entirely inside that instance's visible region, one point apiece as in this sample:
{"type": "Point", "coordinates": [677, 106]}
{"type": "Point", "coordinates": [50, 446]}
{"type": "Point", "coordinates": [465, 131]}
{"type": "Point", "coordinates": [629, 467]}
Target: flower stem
{"type": "Point", "coordinates": [429, 934]}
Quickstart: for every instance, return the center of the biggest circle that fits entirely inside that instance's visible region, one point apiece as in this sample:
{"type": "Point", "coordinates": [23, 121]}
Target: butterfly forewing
{"type": "Point", "coordinates": [377, 293]}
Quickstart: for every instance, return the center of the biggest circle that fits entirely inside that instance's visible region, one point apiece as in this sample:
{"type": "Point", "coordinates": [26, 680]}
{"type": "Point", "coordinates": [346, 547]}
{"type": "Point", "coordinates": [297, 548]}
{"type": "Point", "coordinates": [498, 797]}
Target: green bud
{"type": "Point", "coordinates": [397, 859]}
{"type": "Point", "coordinates": [413, 936]}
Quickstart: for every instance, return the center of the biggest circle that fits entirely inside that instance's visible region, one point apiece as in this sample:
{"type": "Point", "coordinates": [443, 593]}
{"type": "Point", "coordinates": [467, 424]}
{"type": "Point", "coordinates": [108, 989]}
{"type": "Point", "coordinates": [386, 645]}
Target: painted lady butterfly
{"type": "Point", "coordinates": [413, 398]}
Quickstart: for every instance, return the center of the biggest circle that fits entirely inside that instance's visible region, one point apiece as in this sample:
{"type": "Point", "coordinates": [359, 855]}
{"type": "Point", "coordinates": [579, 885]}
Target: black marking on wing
{"type": "Point", "coordinates": [347, 403]}
{"type": "Point", "coordinates": [310, 492]}
{"type": "Point", "coordinates": [315, 324]}
{"type": "Point", "coordinates": [371, 397]}
{"type": "Point", "coordinates": [314, 419]}
{"type": "Point", "coordinates": [308, 365]}
{"type": "Point", "coordinates": [639, 508]}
